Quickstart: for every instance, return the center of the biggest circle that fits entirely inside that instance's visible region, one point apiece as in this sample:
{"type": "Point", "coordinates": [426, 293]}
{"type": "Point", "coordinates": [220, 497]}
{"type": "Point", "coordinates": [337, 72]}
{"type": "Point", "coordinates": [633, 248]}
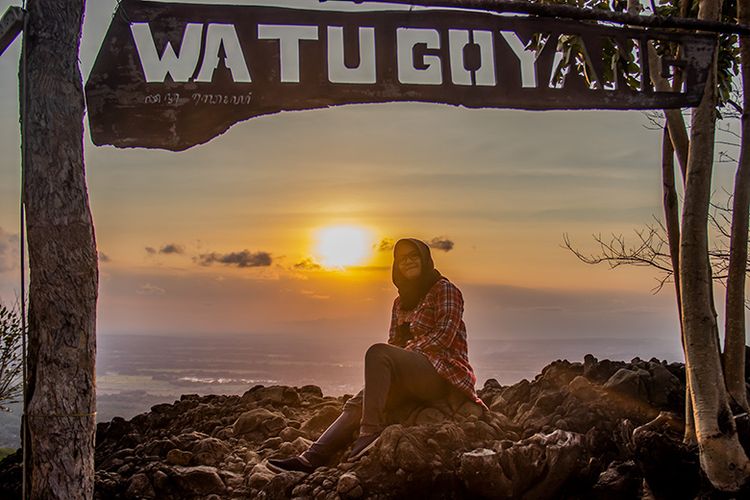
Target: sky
{"type": "Point", "coordinates": [221, 239]}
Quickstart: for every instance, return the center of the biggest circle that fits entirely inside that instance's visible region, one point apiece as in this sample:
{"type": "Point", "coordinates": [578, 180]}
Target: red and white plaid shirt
{"type": "Point", "coordinates": [438, 331]}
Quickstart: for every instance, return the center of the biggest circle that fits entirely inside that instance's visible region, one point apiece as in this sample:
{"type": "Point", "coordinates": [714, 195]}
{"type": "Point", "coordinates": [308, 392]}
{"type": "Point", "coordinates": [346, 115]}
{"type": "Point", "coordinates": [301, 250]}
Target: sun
{"type": "Point", "coordinates": [340, 246]}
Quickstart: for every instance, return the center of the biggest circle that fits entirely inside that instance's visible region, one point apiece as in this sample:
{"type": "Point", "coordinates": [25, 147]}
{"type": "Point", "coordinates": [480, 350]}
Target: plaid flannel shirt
{"type": "Point", "coordinates": [438, 332]}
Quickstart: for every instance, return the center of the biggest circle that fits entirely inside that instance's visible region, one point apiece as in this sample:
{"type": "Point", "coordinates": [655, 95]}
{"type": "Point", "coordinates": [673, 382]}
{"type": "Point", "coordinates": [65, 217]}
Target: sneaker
{"type": "Point", "coordinates": [363, 444]}
{"type": "Point", "coordinates": [298, 463]}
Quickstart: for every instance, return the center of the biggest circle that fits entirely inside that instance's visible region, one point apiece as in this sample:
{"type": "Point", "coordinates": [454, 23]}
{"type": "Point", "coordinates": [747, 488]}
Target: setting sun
{"type": "Point", "coordinates": [339, 246]}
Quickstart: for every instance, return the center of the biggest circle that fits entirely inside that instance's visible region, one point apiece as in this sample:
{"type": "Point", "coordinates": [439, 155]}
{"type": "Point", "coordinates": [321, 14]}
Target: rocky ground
{"type": "Point", "coordinates": [597, 429]}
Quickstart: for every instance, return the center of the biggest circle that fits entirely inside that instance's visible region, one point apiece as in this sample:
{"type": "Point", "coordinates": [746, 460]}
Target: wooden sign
{"type": "Point", "coordinates": [175, 75]}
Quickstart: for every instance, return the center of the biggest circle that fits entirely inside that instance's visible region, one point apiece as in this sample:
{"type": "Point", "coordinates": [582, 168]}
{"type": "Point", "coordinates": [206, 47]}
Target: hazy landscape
{"type": "Point", "coordinates": [135, 372]}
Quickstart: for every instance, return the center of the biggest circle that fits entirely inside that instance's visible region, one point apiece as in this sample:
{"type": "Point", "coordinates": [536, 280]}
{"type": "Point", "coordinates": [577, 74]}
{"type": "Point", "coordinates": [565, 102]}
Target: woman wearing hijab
{"type": "Point", "coordinates": [424, 361]}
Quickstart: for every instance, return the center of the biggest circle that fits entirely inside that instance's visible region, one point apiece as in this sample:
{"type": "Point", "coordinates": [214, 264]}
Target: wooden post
{"type": "Point", "coordinates": [60, 407]}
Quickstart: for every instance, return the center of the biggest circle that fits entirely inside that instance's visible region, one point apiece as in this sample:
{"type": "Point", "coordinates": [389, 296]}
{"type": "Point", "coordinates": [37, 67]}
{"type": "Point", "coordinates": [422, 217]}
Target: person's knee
{"type": "Point", "coordinates": [377, 352]}
{"type": "Point", "coordinates": [353, 406]}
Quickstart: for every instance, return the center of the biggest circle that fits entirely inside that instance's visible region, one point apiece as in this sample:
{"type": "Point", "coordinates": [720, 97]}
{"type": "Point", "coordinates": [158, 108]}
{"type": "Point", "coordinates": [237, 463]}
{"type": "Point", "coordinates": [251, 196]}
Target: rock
{"type": "Point", "coordinates": [621, 481]}
{"type": "Point", "coordinates": [559, 373]}
{"type": "Point", "coordinates": [209, 451]}
{"type": "Point", "coordinates": [349, 486]}
{"type": "Point", "coordinates": [272, 442]}
{"type": "Point", "coordinates": [161, 481]}
{"type": "Point", "coordinates": [584, 390]}
{"type": "Point", "coordinates": [537, 467]}
{"type": "Point", "coordinates": [483, 476]}
{"type": "Point", "coordinates": [429, 416]}
{"type": "Point", "coordinates": [281, 485]}
{"type": "Point", "coordinates": [665, 389]}
{"type": "Point", "coordinates": [670, 468]}
{"type": "Point", "coordinates": [498, 404]}
{"type": "Point", "coordinates": [518, 392]}
{"type": "Point", "coordinates": [320, 421]}
{"type": "Point", "coordinates": [275, 395]}
{"type": "Point", "coordinates": [204, 443]}
{"type": "Point", "coordinates": [290, 434]}
{"type": "Point", "coordinates": [231, 479]}
{"type": "Point", "coordinates": [628, 390]}
{"type": "Point", "coordinates": [259, 476]}
{"type": "Point", "coordinates": [179, 457]}
{"type": "Point", "coordinates": [470, 408]}
{"type": "Point", "coordinates": [301, 444]}
{"type": "Point", "coordinates": [311, 390]}
{"type": "Point", "coordinates": [140, 487]}
{"type": "Point", "coordinates": [404, 448]}
{"type": "Point", "coordinates": [161, 408]}
{"type": "Point", "coordinates": [600, 372]}
{"type": "Point", "coordinates": [258, 419]}
{"type": "Point", "coordinates": [628, 383]}
{"type": "Point", "coordinates": [200, 480]}
{"type": "Point", "coordinates": [252, 457]}
{"type": "Point", "coordinates": [492, 383]}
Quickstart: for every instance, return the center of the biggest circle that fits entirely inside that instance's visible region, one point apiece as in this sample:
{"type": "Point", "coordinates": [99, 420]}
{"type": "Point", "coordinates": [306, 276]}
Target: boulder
{"type": "Point", "coordinates": [274, 395]}
{"type": "Point", "coordinates": [670, 467]}
{"type": "Point", "coordinates": [665, 389]}
{"type": "Point", "coordinates": [599, 371]}
{"type": "Point", "coordinates": [259, 419]}
{"type": "Point", "coordinates": [311, 390]}
{"type": "Point", "coordinates": [259, 476]}
{"type": "Point", "coordinates": [281, 485]}
{"type": "Point", "coordinates": [199, 480]}
{"type": "Point", "coordinates": [179, 457]}
{"type": "Point", "coordinates": [584, 390]}
{"type": "Point", "coordinates": [621, 481]}
{"type": "Point", "coordinates": [140, 487]}
{"type": "Point", "coordinates": [537, 467]}
{"type": "Point", "coordinates": [323, 417]}
{"type": "Point", "coordinates": [349, 486]}
{"type": "Point", "coordinates": [417, 450]}
{"type": "Point", "coordinates": [483, 476]}
{"type": "Point", "coordinates": [209, 451]}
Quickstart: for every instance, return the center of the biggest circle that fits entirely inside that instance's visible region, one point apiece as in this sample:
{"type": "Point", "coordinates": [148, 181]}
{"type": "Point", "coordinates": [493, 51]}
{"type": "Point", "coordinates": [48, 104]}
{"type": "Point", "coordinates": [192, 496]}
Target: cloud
{"type": "Point", "coordinates": [149, 289]}
{"type": "Point", "coordinates": [103, 257]}
{"type": "Point", "coordinates": [150, 250]}
{"type": "Point", "coordinates": [314, 295]}
{"type": "Point", "coordinates": [441, 243]}
{"type": "Point", "coordinates": [385, 244]}
{"type": "Point", "coordinates": [172, 248]}
{"type": "Point", "coordinates": [438, 243]}
{"type": "Point", "coordinates": [8, 251]}
{"type": "Point", "coordinates": [307, 264]}
{"type": "Point", "coordinates": [245, 258]}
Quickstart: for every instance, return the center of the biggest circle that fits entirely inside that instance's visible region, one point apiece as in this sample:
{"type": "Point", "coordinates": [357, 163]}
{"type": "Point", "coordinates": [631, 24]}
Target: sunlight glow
{"type": "Point", "coordinates": [339, 246]}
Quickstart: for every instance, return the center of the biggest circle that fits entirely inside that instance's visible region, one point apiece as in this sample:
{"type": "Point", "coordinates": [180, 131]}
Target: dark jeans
{"type": "Point", "coordinates": [394, 379]}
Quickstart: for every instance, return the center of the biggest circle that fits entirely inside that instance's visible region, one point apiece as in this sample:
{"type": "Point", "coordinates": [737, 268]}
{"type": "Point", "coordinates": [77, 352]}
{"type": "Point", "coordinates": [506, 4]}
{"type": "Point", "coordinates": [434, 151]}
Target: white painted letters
{"type": "Point", "coordinates": [485, 75]}
{"type": "Point", "coordinates": [289, 37]}
{"type": "Point", "coordinates": [338, 72]}
{"type": "Point", "coordinates": [406, 40]}
{"type": "Point", "coordinates": [156, 68]}
{"type": "Point", "coordinates": [219, 35]}
{"type": "Point", "coordinates": [527, 58]}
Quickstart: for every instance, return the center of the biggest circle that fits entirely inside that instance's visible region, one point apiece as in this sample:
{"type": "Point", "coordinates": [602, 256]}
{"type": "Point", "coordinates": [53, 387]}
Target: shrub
{"type": "Point", "coordinates": [11, 364]}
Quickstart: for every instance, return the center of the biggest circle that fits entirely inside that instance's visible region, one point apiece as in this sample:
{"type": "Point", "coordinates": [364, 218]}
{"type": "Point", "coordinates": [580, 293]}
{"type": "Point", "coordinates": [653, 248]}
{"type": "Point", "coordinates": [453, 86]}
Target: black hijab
{"type": "Point", "coordinates": [411, 292]}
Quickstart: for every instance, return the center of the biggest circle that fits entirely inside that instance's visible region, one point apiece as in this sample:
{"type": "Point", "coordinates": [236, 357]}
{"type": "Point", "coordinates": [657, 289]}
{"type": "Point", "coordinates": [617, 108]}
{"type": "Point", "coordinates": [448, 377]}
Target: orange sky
{"type": "Point", "coordinates": [502, 186]}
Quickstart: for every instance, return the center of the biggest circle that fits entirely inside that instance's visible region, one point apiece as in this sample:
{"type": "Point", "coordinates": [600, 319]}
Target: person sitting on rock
{"type": "Point", "coordinates": [424, 362]}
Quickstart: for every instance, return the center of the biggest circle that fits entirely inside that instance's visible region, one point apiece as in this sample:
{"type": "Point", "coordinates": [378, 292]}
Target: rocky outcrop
{"type": "Point", "coordinates": [596, 429]}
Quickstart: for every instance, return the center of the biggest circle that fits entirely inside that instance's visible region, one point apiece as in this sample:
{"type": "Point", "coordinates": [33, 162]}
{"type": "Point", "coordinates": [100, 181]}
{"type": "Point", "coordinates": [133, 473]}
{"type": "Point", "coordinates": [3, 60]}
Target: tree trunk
{"type": "Point", "coordinates": [721, 456]}
{"type": "Point", "coordinates": [672, 225]}
{"type": "Point", "coordinates": [734, 333]}
{"type": "Point", "coordinates": [62, 257]}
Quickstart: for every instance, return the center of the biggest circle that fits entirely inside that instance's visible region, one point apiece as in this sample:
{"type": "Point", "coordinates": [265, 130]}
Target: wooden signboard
{"type": "Point", "coordinates": [175, 75]}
